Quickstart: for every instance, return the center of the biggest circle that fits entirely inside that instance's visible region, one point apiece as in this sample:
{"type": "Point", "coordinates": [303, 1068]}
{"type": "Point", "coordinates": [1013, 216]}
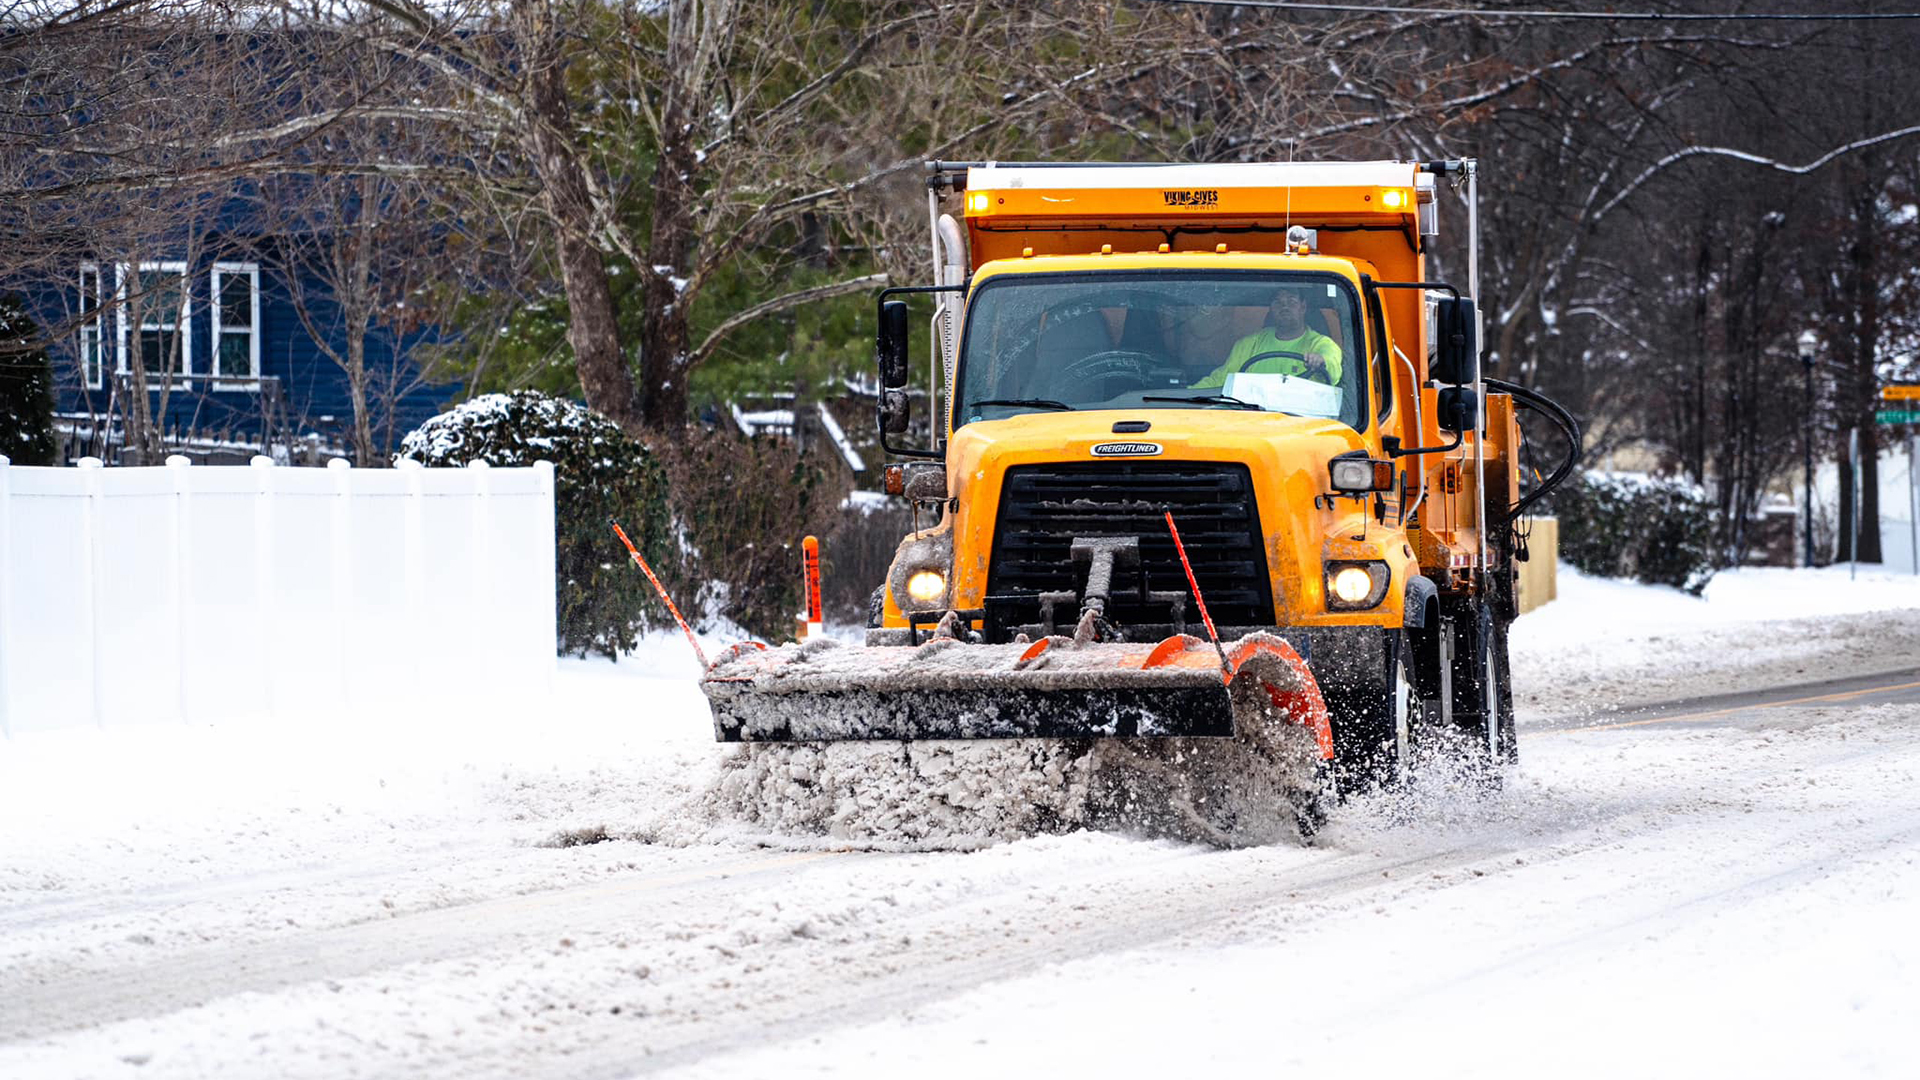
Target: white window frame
{"type": "Point", "coordinates": [252, 272]}
{"type": "Point", "coordinates": [96, 378]}
{"type": "Point", "coordinates": [183, 379]}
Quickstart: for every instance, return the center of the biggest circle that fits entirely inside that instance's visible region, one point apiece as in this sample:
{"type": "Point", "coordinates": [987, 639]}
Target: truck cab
{"type": "Point", "coordinates": [1249, 348]}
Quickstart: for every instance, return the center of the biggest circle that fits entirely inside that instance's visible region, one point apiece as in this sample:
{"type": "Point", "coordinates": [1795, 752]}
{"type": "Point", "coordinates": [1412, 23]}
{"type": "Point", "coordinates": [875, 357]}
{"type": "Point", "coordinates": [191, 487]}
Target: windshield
{"type": "Point", "coordinates": [1163, 339]}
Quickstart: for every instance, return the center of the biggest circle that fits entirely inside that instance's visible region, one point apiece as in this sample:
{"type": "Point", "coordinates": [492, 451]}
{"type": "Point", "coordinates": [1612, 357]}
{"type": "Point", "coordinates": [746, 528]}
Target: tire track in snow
{"type": "Point", "coordinates": [52, 1003]}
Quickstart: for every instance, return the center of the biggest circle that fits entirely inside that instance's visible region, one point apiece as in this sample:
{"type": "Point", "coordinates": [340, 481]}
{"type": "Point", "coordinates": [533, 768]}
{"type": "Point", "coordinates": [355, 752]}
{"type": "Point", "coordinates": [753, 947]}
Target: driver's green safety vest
{"type": "Point", "coordinates": [1262, 341]}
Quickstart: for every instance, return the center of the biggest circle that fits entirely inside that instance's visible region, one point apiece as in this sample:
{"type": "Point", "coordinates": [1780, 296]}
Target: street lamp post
{"type": "Point", "coordinates": [1808, 342]}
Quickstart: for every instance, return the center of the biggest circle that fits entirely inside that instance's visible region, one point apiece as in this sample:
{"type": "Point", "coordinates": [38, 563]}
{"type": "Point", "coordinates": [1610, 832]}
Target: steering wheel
{"type": "Point", "coordinates": [1305, 362]}
{"type": "Point", "coordinates": [1109, 363]}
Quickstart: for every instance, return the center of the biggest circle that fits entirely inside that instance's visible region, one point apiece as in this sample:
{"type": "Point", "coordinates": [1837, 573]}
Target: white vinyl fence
{"type": "Point", "coordinates": [202, 593]}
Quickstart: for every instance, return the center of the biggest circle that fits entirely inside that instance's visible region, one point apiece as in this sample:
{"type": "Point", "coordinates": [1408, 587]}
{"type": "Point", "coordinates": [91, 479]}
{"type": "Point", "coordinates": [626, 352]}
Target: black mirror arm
{"type": "Point", "coordinates": [1440, 285]}
{"type": "Point", "coordinates": [1391, 444]}
{"type": "Point", "coordinates": [908, 451]}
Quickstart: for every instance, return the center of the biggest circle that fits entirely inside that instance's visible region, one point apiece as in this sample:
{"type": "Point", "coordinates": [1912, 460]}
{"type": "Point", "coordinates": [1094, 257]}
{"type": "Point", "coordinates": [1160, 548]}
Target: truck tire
{"type": "Point", "coordinates": [1503, 673]}
{"type": "Point", "coordinates": [1476, 732]}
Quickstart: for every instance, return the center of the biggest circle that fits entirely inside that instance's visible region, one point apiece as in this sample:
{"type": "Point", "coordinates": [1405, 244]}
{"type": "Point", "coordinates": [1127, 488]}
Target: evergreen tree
{"type": "Point", "coordinates": [26, 390]}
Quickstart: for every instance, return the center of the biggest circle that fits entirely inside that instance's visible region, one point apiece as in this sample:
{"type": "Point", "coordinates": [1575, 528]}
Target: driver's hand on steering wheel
{"type": "Point", "coordinates": [1316, 365]}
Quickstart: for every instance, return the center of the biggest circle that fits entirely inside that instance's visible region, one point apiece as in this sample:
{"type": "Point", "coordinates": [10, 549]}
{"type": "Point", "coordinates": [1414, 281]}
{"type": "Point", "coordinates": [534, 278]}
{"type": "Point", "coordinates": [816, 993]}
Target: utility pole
{"type": "Point", "coordinates": [1808, 341]}
{"type": "Point", "coordinates": [1853, 510]}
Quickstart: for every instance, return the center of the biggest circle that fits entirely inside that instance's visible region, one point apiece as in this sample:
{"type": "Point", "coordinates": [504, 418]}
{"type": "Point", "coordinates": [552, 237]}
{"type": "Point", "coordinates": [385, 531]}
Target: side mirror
{"type": "Point", "coordinates": [893, 411]}
{"type": "Point", "coordinates": [1459, 409]}
{"type": "Point", "coordinates": [1456, 356]}
{"type": "Point", "coordinates": [890, 348]}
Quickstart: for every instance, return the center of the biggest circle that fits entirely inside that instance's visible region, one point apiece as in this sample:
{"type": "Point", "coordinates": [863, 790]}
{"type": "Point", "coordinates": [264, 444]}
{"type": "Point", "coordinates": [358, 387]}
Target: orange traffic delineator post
{"type": "Point", "coordinates": [661, 589]}
{"type": "Point", "coordinates": [811, 548]}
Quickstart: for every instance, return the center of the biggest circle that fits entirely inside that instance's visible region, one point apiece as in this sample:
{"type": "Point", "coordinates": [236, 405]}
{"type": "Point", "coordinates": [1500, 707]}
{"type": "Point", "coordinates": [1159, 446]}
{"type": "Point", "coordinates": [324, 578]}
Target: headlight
{"type": "Point", "coordinates": [1352, 584]}
{"type": "Point", "coordinates": [927, 586]}
{"type": "Point", "coordinates": [1356, 586]}
{"type": "Point", "coordinates": [1360, 473]}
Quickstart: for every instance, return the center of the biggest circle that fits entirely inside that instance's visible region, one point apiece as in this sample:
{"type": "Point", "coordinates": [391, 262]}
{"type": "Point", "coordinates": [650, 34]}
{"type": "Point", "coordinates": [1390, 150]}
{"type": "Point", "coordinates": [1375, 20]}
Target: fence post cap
{"type": "Point", "coordinates": [407, 464]}
{"type": "Point", "coordinates": [479, 463]}
{"type": "Point", "coordinates": [261, 461]}
{"type": "Point", "coordinates": [88, 463]}
{"type": "Point", "coordinates": [339, 463]}
{"type": "Point", "coordinates": [178, 461]}
{"type": "Point", "coordinates": [5, 461]}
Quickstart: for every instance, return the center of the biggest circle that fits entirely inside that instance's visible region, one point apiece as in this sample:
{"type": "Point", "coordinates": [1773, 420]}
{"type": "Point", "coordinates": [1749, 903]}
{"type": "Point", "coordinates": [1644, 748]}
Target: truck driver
{"type": "Point", "coordinates": [1285, 345]}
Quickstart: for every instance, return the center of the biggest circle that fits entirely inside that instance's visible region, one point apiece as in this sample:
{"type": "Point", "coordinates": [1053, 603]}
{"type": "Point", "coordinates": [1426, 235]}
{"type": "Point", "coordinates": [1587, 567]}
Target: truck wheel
{"type": "Point", "coordinates": [1509, 739]}
{"type": "Point", "coordinates": [1477, 729]}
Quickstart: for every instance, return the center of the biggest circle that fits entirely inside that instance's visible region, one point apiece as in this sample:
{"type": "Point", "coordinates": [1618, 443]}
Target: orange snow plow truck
{"type": "Point", "coordinates": [1212, 458]}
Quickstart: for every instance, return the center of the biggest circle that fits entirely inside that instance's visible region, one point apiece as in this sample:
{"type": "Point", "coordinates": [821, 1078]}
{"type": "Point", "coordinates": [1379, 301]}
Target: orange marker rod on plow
{"type": "Point", "coordinates": [811, 547]}
{"type": "Point", "coordinates": [657, 587]}
{"type": "Point", "coordinates": [1195, 586]}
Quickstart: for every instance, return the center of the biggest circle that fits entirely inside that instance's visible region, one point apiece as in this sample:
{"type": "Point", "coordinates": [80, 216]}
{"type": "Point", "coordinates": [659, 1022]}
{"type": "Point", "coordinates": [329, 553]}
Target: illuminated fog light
{"type": "Point", "coordinates": [927, 586]}
{"type": "Point", "coordinates": [1351, 584]}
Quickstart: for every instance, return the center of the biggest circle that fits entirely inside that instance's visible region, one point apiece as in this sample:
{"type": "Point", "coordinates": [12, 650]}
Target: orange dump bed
{"type": "Point", "coordinates": [1366, 209]}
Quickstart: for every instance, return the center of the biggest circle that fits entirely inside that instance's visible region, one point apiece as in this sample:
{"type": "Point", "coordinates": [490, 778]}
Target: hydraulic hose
{"type": "Point", "coordinates": [1552, 410]}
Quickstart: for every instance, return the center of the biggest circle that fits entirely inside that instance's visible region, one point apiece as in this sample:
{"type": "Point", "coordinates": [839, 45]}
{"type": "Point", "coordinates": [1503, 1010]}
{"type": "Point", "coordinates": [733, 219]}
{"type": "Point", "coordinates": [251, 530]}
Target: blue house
{"type": "Point", "coordinates": [222, 337]}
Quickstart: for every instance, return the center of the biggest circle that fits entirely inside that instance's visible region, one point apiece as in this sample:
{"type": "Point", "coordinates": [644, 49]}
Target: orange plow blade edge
{"type": "Point", "coordinates": [822, 690]}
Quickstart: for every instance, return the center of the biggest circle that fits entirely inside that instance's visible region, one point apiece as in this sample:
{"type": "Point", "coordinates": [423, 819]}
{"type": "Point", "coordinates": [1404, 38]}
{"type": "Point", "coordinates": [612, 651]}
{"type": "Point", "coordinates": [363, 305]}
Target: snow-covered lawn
{"type": "Point", "coordinates": [415, 894]}
{"type": "Point", "coordinates": [1607, 644]}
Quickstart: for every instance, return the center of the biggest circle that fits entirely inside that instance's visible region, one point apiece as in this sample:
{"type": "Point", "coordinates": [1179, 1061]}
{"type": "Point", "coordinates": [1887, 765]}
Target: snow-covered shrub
{"type": "Point", "coordinates": [599, 473]}
{"type": "Point", "coordinates": [26, 390]}
{"type": "Point", "coordinates": [857, 553]}
{"type": "Point", "coordinates": [1634, 526]}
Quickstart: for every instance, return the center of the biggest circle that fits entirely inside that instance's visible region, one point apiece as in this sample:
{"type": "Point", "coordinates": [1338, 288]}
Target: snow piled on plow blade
{"type": "Point", "coordinates": [821, 691]}
{"type": "Point", "coordinates": [934, 746]}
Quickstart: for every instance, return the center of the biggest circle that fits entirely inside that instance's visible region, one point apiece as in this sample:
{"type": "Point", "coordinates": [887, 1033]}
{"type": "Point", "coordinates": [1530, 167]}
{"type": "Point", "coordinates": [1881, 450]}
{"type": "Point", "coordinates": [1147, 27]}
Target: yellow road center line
{"type": "Point", "coordinates": [1841, 695]}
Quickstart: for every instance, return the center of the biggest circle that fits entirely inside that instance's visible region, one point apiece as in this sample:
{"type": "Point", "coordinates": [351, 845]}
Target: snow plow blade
{"type": "Point", "coordinates": [946, 689]}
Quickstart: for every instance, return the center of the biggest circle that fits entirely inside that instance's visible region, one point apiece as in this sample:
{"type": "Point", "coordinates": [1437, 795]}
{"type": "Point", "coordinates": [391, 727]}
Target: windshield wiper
{"type": "Point", "coordinates": [1205, 399]}
{"type": "Point", "coordinates": [1024, 402]}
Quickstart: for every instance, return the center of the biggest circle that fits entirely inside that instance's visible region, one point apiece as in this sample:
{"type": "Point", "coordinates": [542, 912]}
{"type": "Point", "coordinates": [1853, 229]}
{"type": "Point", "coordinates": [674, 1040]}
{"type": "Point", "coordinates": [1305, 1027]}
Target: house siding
{"type": "Point", "coordinates": [316, 391]}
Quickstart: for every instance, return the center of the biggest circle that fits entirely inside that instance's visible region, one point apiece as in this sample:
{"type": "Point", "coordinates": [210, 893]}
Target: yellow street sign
{"type": "Point", "coordinates": [1910, 392]}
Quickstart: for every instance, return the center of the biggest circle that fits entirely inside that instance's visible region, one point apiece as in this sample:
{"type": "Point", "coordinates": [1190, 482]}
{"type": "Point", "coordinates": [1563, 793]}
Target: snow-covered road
{"type": "Point", "coordinates": [1719, 888]}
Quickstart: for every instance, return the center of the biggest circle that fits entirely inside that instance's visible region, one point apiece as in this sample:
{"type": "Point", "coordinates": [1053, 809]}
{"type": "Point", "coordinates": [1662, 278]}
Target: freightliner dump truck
{"type": "Point", "coordinates": [1214, 474]}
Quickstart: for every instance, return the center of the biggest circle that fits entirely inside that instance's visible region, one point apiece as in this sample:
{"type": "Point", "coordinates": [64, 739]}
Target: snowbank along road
{"type": "Point", "coordinates": [1681, 878]}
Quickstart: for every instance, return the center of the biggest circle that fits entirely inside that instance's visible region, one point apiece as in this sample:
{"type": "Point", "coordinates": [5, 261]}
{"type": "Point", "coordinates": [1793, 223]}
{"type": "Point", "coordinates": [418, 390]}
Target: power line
{"type": "Point", "coordinates": [1520, 13]}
